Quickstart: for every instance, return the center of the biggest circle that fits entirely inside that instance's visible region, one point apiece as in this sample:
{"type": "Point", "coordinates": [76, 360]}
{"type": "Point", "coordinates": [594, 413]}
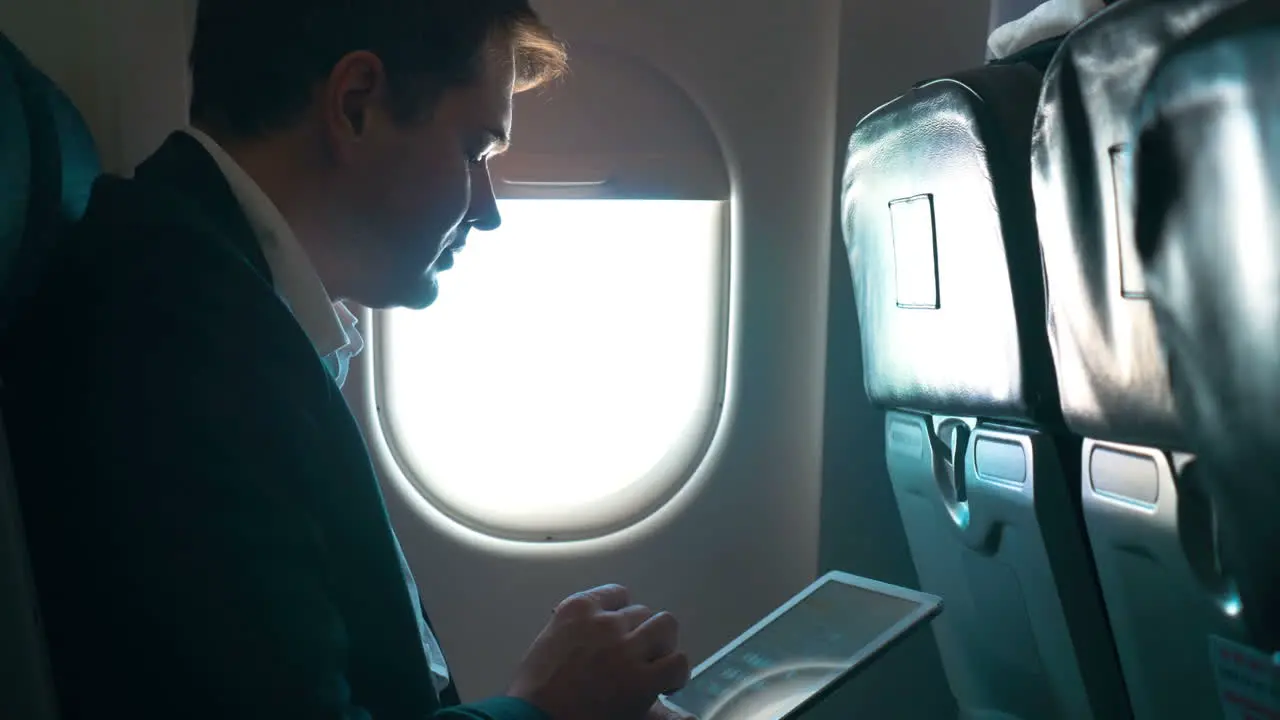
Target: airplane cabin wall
{"type": "Point", "coordinates": [123, 62]}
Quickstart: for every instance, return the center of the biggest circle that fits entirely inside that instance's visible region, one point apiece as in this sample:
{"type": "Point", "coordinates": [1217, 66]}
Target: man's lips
{"type": "Point", "coordinates": [456, 243]}
{"type": "Point", "coordinates": [445, 261]}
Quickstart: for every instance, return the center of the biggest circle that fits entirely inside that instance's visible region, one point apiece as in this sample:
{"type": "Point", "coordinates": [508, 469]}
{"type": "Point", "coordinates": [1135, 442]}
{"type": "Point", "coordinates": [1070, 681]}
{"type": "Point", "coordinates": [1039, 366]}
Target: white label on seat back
{"type": "Point", "coordinates": [915, 252]}
{"type": "Point", "coordinates": [1248, 681]}
{"type": "Point", "coordinates": [1132, 283]}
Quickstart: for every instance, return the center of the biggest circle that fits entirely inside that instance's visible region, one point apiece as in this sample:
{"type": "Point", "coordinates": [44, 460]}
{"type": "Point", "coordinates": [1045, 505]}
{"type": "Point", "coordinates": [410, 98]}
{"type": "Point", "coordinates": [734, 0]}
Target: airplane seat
{"type": "Point", "coordinates": [47, 165]}
{"type": "Point", "coordinates": [1207, 198]}
{"type": "Point", "coordinates": [940, 231]}
{"type": "Point", "coordinates": [63, 166]}
{"type": "Point", "coordinates": [1149, 519]}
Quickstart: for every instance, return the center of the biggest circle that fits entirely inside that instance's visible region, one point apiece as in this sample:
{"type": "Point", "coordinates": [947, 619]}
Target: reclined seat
{"type": "Point", "coordinates": [47, 166]}
{"type": "Point", "coordinates": [940, 230]}
{"type": "Point", "coordinates": [1149, 521]}
{"type": "Point", "coordinates": [1207, 188]}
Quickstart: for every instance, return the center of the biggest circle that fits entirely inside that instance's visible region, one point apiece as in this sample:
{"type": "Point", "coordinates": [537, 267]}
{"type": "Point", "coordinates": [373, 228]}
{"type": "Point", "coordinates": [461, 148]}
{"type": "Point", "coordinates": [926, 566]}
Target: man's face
{"type": "Point", "coordinates": [417, 189]}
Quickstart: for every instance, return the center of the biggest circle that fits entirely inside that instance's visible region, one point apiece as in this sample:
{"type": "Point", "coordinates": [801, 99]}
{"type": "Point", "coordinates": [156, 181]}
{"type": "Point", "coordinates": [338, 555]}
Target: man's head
{"type": "Point", "coordinates": [370, 123]}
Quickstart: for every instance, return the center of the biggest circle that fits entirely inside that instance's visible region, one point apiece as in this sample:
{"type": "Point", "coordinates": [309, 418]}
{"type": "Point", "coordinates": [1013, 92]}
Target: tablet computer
{"type": "Point", "coordinates": [802, 651]}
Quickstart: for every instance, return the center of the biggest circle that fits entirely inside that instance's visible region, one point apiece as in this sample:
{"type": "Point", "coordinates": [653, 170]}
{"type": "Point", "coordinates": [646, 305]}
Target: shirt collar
{"type": "Point", "coordinates": [330, 326]}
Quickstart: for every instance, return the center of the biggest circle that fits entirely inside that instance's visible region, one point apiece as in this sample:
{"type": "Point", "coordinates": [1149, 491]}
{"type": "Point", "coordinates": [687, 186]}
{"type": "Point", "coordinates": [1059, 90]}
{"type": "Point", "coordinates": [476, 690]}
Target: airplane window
{"type": "Point", "coordinates": [568, 379]}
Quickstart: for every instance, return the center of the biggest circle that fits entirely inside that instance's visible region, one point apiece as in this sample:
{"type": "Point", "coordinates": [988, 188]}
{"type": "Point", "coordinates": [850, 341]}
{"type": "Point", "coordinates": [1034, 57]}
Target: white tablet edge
{"type": "Point", "coordinates": [926, 607]}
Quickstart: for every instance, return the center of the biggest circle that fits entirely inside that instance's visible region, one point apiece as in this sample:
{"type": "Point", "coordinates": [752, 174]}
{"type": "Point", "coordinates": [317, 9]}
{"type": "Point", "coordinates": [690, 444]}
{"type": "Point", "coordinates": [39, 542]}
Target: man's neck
{"type": "Point", "coordinates": [280, 166]}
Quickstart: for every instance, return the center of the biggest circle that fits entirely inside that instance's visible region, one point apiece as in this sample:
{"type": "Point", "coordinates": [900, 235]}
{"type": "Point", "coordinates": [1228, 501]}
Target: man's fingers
{"type": "Point", "coordinates": [609, 597]}
{"type": "Point", "coordinates": [605, 597]}
{"type": "Point", "coordinates": [634, 616]}
{"type": "Point", "coordinates": [670, 673]}
{"type": "Point", "coordinates": [657, 637]}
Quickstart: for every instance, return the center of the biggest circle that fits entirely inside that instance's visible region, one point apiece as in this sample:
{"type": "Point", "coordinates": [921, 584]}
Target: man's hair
{"type": "Point", "coordinates": [255, 63]}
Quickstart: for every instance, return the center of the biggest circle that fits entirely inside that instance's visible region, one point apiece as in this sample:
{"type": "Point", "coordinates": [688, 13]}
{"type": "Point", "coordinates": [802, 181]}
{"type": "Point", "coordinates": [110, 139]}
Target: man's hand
{"type": "Point", "coordinates": [602, 657]}
{"type": "Point", "coordinates": [662, 711]}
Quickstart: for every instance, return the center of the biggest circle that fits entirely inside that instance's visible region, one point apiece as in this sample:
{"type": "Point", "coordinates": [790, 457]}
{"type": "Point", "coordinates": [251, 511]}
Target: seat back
{"type": "Point", "coordinates": [1207, 182]}
{"type": "Point", "coordinates": [1149, 521]}
{"type": "Point", "coordinates": [47, 165]}
{"type": "Point", "coordinates": [940, 231]}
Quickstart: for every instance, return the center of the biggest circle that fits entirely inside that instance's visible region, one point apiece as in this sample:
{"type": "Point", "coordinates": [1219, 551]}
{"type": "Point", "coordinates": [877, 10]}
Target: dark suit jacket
{"type": "Point", "coordinates": [208, 536]}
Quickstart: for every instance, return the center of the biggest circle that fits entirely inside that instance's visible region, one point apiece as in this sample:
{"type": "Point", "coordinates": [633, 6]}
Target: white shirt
{"type": "Point", "coordinates": [330, 325]}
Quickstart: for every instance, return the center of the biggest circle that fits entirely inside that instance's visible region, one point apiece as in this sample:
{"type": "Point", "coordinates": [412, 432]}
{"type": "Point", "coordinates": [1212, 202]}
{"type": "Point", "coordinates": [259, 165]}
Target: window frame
{"type": "Point", "coordinates": [679, 476]}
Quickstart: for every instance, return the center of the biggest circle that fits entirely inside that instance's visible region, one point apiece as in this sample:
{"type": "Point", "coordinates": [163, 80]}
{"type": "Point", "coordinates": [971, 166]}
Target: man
{"type": "Point", "coordinates": [207, 533]}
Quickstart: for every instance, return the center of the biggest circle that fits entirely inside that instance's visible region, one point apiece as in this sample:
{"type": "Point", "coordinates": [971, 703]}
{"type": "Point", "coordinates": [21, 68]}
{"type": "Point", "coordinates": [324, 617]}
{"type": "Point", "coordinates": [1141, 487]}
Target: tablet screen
{"type": "Point", "coordinates": [795, 655]}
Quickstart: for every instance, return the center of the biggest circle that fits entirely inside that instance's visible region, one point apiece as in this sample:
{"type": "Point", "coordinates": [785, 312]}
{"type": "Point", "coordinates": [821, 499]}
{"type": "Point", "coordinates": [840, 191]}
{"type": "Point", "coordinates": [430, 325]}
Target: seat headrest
{"type": "Point", "coordinates": [1207, 183]}
{"type": "Point", "coordinates": [1111, 370]}
{"type": "Point", "coordinates": [50, 157]}
{"type": "Point", "coordinates": [940, 230]}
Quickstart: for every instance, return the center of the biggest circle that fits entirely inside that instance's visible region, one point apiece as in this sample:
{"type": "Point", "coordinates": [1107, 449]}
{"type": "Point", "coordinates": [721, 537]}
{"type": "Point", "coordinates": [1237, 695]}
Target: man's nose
{"type": "Point", "coordinates": [483, 213]}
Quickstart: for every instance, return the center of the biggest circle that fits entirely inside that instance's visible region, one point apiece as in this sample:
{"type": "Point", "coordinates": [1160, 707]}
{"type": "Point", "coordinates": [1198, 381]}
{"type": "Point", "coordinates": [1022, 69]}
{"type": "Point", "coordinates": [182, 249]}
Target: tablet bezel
{"type": "Point", "coordinates": [927, 607]}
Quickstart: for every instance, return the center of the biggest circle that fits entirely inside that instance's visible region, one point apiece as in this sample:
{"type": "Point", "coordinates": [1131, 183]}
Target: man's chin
{"type": "Point", "coordinates": [423, 293]}
{"type": "Point", "coordinates": [417, 294]}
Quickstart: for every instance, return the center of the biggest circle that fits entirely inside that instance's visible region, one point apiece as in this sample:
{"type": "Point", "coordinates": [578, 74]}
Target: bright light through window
{"type": "Point", "coordinates": [568, 379]}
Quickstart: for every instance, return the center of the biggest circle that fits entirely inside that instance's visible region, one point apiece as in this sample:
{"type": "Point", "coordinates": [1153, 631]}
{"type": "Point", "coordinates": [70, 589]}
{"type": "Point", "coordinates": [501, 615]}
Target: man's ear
{"type": "Point", "coordinates": [354, 85]}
